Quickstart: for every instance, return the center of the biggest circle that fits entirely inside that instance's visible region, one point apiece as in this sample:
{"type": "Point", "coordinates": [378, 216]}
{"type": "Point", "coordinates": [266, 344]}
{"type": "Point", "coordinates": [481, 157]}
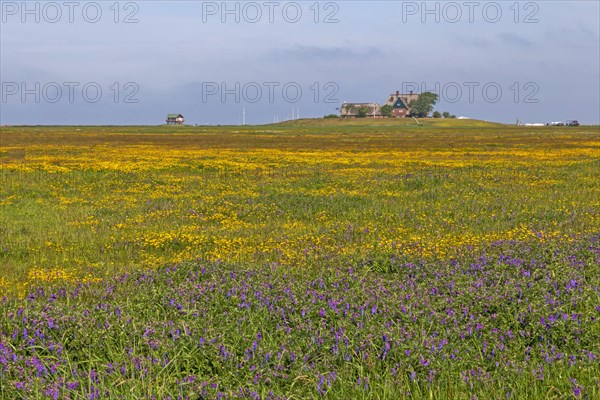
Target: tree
{"type": "Point", "coordinates": [331, 116]}
{"type": "Point", "coordinates": [436, 114]}
{"type": "Point", "coordinates": [446, 114]}
{"type": "Point", "coordinates": [423, 105]}
{"type": "Point", "coordinates": [386, 110]}
{"type": "Point", "coordinates": [362, 112]}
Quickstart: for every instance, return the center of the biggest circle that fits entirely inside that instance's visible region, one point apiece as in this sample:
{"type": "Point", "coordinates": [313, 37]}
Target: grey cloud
{"type": "Point", "coordinates": [514, 39]}
{"type": "Point", "coordinates": [472, 42]}
{"type": "Point", "coordinates": [323, 53]}
{"type": "Point", "coordinates": [589, 33]}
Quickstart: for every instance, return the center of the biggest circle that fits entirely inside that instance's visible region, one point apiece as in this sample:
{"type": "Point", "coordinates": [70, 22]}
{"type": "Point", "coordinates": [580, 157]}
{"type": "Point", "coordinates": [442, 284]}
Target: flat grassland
{"type": "Point", "coordinates": [313, 258]}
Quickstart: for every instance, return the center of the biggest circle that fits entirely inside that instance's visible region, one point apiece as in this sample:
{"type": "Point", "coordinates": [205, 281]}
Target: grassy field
{"type": "Point", "coordinates": [314, 258]}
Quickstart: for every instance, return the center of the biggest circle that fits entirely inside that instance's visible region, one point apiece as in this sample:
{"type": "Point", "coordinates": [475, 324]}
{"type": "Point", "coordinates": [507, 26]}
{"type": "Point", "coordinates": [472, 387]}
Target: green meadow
{"type": "Point", "coordinates": [334, 259]}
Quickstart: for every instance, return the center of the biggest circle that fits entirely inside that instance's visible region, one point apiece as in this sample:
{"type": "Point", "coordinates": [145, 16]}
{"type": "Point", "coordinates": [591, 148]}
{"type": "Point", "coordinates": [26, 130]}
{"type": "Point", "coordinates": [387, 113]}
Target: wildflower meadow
{"type": "Point", "coordinates": [381, 259]}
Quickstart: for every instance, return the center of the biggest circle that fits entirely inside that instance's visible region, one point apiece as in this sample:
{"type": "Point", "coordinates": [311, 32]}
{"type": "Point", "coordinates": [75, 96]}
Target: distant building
{"type": "Point", "coordinates": [401, 103]}
{"type": "Point", "coordinates": [175, 119]}
{"type": "Point", "coordinates": [352, 110]}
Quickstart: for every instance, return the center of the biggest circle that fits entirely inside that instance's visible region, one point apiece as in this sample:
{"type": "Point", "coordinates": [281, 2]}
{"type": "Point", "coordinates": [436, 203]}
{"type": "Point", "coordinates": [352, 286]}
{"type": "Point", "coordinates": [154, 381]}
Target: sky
{"type": "Point", "coordinates": [133, 62]}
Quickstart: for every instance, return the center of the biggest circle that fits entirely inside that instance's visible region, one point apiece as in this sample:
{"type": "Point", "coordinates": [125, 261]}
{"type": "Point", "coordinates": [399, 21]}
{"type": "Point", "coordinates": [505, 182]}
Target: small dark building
{"type": "Point", "coordinates": [175, 119]}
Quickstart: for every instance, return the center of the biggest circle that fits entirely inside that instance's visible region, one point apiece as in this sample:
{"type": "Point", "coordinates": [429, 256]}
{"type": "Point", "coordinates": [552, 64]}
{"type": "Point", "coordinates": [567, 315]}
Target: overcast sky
{"type": "Point", "coordinates": [94, 63]}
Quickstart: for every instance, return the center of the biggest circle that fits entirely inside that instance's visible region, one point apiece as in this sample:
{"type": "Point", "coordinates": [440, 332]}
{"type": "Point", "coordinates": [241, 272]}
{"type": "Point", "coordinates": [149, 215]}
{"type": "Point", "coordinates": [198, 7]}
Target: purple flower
{"type": "Point", "coordinates": [52, 392]}
{"type": "Point", "coordinates": [572, 284]}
